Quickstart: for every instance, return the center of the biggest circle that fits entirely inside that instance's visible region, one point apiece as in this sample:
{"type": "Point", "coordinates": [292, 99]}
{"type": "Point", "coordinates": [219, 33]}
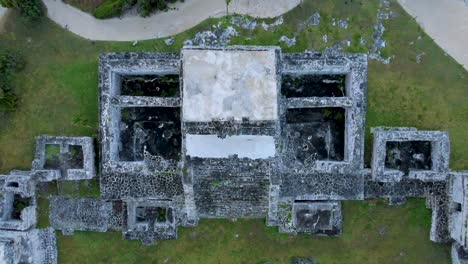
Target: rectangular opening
{"type": "Point", "coordinates": [313, 85]}
{"type": "Point", "coordinates": [151, 214]}
{"type": "Point", "coordinates": [457, 207]}
{"type": "Point", "coordinates": [52, 156]}
{"type": "Point", "coordinates": [408, 155]}
{"type": "Point", "coordinates": [313, 219]}
{"type": "Point", "coordinates": [13, 184]}
{"type": "Point", "coordinates": [316, 133]}
{"type": "Point", "coordinates": [75, 158]}
{"type": "Point", "coordinates": [150, 85]}
{"type": "Point", "coordinates": [161, 216]}
{"type": "Point", "coordinates": [19, 204]}
{"type": "Point", "coordinates": [154, 130]}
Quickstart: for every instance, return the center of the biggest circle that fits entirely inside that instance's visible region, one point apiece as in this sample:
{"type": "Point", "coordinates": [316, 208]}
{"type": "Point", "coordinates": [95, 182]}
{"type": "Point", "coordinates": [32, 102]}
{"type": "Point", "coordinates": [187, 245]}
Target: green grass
{"type": "Point", "coordinates": [110, 8]}
{"type": "Point", "coordinates": [58, 96]}
{"type": "Point", "coordinates": [406, 240]}
{"type": "Point", "coordinates": [52, 151]}
{"type": "Point", "coordinates": [89, 188]}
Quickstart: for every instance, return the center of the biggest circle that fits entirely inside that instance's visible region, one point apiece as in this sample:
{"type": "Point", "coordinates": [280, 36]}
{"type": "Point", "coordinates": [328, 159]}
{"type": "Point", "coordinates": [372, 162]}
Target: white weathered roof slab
{"type": "Point", "coordinates": [244, 146]}
{"type": "Point", "coordinates": [229, 84]}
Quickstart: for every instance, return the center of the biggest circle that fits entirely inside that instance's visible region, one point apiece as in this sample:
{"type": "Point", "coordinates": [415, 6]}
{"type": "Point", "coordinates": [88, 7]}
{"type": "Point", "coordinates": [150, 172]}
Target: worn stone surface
{"type": "Point", "coordinates": [65, 169]}
{"type": "Point", "coordinates": [439, 155]}
{"type": "Point", "coordinates": [317, 217]}
{"type": "Point", "coordinates": [231, 83]}
{"type": "Point", "coordinates": [83, 214]}
{"type": "Point", "coordinates": [34, 246]}
{"type": "Point", "coordinates": [458, 254]}
{"type": "Point", "coordinates": [18, 201]}
{"type": "Point", "coordinates": [230, 187]}
{"type": "Point", "coordinates": [458, 208]}
{"type": "Point", "coordinates": [317, 137]}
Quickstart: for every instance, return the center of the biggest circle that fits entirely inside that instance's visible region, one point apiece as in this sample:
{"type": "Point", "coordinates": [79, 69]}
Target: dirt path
{"type": "Point", "coordinates": [446, 21]}
{"type": "Point", "coordinates": [162, 24]}
{"type": "Point", "coordinates": [3, 14]}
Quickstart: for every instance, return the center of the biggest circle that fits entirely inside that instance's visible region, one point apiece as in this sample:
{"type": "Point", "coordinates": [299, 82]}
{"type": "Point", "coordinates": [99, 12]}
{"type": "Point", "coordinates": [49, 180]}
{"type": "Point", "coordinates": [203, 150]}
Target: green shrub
{"type": "Point", "coordinates": [10, 63]}
{"type": "Point", "coordinates": [29, 9]}
{"type": "Point", "coordinates": [110, 8]}
{"type": "Point", "coordinates": [113, 8]}
{"type": "Point", "coordinates": [146, 7]}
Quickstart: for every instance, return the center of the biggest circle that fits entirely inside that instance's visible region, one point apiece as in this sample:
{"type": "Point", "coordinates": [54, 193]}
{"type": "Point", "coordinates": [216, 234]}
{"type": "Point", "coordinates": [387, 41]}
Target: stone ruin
{"type": "Point", "coordinates": [63, 158]}
{"type": "Point", "coordinates": [242, 131]}
{"type": "Point", "coordinates": [20, 241]}
{"type": "Point", "coordinates": [55, 158]}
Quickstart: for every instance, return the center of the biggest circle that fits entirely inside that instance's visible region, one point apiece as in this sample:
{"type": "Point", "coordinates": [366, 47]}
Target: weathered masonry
{"type": "Point", "coordinates": [253, 132]}
{"type": "Point", "coordinates": [236, 132]}
{"type": "Point", "coordinates": [242, 131]}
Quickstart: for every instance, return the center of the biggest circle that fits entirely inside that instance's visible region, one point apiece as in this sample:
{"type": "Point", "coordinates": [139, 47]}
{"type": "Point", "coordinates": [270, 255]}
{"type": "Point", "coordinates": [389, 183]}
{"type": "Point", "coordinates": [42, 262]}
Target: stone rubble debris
{"type": "Point", "coordinates": [288, 41]}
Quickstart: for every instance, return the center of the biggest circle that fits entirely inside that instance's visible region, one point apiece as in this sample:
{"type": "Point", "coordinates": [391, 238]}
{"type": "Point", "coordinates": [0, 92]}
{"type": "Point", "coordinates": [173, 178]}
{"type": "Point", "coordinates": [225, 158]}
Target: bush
{"type": "Point", "coordinates": [10, 63]}
{"type": "Point", "coordinates": [110, 8]}
{"type": "Point", "coordinates": [146, 7]}
{"type": "Point", "coordinates": [113, 8]}
{"type": "Point", "coordinates": [29, 9]}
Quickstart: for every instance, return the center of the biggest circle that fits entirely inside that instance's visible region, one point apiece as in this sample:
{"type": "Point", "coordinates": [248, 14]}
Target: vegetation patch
{"type": "Point", "coordinates": [31, 10]}
{"type": "Point", "coordinates": [52, 156]}
{"type": "Point", "coordinates": [114, 8]}
{"type": "Point", "coordinates": [85, 5]}
{"type": "Point", "coordinates": [19, 203]}
{"type": "Point", "coordinates": [109, 8]}
{"type": "Point", "coordinates": [11, 63]}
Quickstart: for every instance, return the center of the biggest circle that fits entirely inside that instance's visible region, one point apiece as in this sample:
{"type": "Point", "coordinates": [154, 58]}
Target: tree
{"type": "Point", "coordinates": [227, 6]}
{"type": "Point", "coordinates": [29, 9]}
{"type": "Point", "coordinates": [10, 63]}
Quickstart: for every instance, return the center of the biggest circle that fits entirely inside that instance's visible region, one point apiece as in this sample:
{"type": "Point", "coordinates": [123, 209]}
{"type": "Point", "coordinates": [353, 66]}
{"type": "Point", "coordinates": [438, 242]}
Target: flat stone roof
{"type": "Point", "coordinates": [244, 146]}
{"type": "Point", "coordinates": [228, 84]}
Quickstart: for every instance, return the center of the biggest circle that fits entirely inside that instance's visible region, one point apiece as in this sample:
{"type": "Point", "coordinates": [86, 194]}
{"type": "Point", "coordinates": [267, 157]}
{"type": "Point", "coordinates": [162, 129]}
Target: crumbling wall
{"type": "Point", "coordinates": [66, 169]}
{"type": "Point", "coordinates": [33, 246]}
{"type": "Point", "coordinates": [18, 202]}
{"type": "Point", "coordinates": [230, 187]}
{"type": "Point", "coordinates": [326, 179]}
{"type": "Point", "coordinates": [440, 153]}
{"type": "Point", "coordinates": [84, 214]}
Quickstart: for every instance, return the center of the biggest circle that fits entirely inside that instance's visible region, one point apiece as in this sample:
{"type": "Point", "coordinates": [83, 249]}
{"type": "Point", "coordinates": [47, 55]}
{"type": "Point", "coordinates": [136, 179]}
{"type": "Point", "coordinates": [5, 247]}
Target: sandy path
{"type": "Point", "coordinates": [162, 24]}
{"type": "Point", "coordinates": [3, 13]}
{"type": "Point", "coordinates": [446, 21]}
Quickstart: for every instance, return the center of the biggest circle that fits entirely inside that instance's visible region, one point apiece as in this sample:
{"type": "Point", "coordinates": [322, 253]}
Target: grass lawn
{"type": "Point", "coordinates": [373, 232]}
{"type": "Point", "coordinates": [58, 96]}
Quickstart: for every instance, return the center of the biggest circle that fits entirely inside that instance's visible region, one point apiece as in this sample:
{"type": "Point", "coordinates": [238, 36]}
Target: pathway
{"type": "Point", "coordinates": [446, 21]}
{"type": "Point", "coordinates": [162, 24]}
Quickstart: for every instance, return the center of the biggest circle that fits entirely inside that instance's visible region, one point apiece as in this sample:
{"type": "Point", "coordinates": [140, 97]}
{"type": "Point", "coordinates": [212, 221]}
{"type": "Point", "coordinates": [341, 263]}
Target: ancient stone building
{"type": "Point", "coordinates": [253, 132]}
{"type": "Point", "coordinates": [242, 131]}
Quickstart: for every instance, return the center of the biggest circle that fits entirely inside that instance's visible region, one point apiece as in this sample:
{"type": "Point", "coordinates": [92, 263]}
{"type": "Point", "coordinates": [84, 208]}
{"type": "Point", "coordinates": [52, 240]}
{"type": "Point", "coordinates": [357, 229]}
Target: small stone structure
{"type": "Point", "coordinates": [18, 207]}
{"type": "Point", "coordinates": [317, 217]}
{"type": "Point", "coordinates": [20, 242]}
{"type": "Point", "coordinates": [430, 166]}
{"type": "Point", "coordinates": [242, 131]}
{"type": "Point", "coordinates": [72, 160]}
{"type": "Point", "coordinates": [458, 215]}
